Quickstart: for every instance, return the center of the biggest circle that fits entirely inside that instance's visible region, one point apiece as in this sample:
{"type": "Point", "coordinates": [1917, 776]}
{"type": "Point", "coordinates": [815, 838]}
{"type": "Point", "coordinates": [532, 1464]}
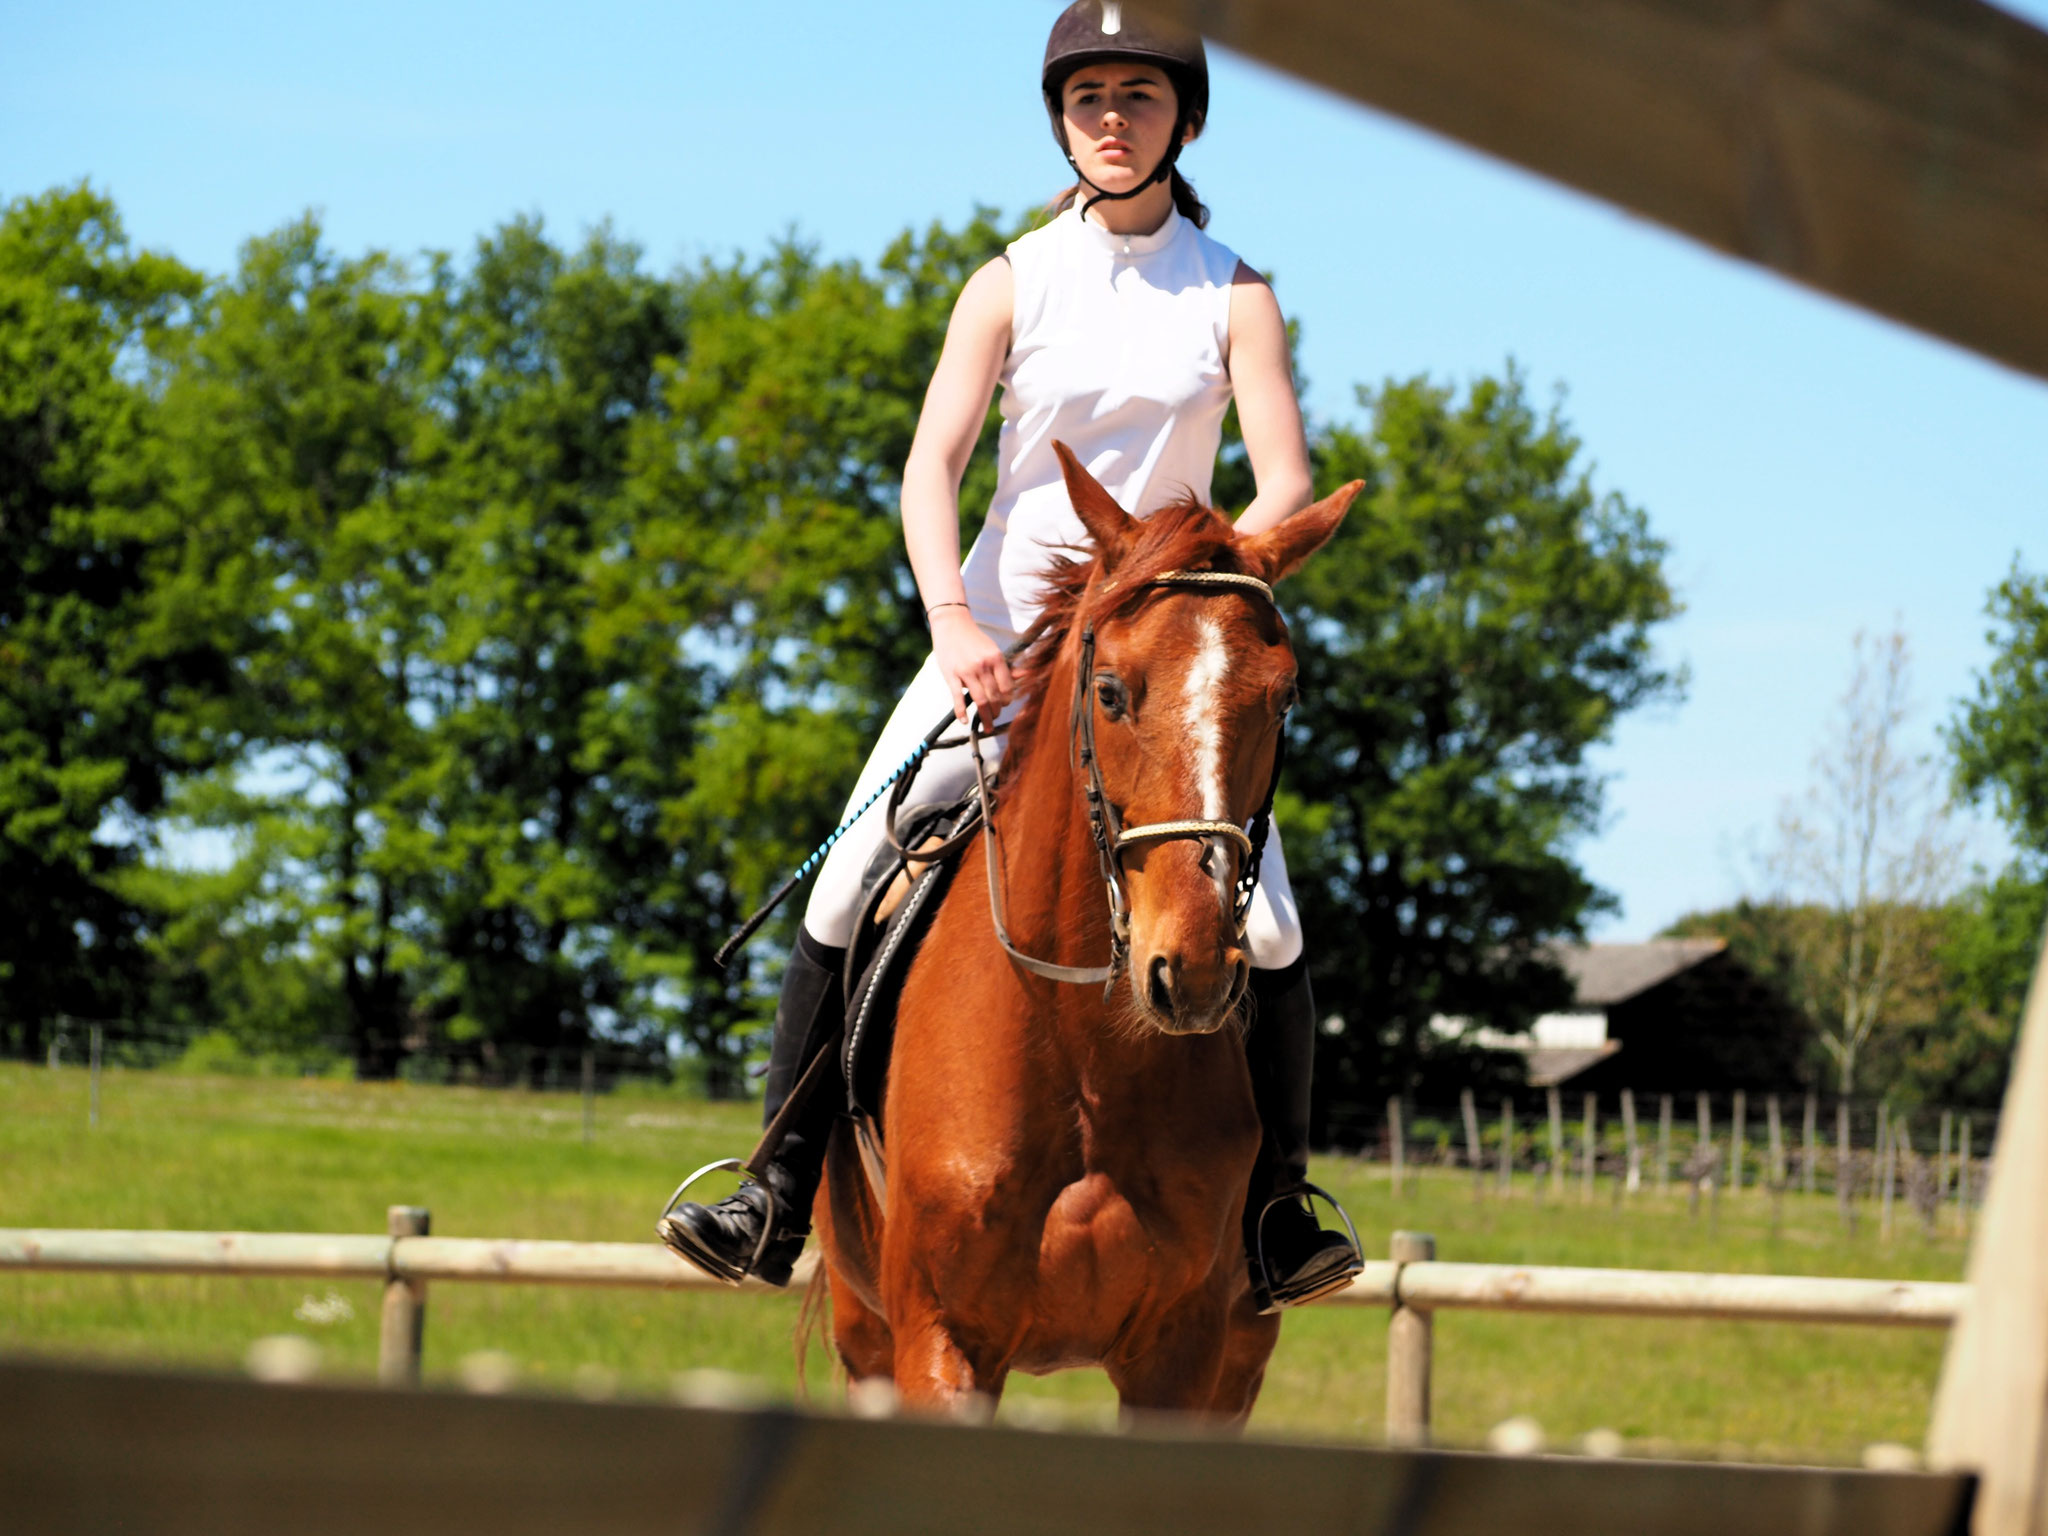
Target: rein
{"type": "Point", "coordinates": [1107, 829]}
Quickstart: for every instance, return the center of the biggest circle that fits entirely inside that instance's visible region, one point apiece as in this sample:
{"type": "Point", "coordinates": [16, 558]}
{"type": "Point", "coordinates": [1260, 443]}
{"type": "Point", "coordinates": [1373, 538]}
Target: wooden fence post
{"type": "Point", "coordinates": [1882, 1145]}
{"type": "Point", "coordinates": [1556, 1105]}
{"type": "Point", "coordinates": [1941, 1158]}
{"type": "Point", "coordinates": [1888, 1160]}
{"type": "Point", "coordinates": [402, 1329]}
{"type": "Point", "coordinates": [1628, 1131]}
{"type": "Point", "coordinates": [1738, 1143]}
{"type": "Point", "coordinates": [1507, 1146]}
{"type": "Point", "coordinates": [1589, 1156]}
{"type": "Point", "coordinates": [1845, 1168]}
{"type": "Point", "coordinates": [1663, 1143]}
{"type": "Point", "coordinates": [1809, 1171]}
{"type": "Point", "coordinates": [1776, 1174]}
{"type": "Point", "coordinates": [1703, 1110]}
{"type": "Point", "coordinates": [1408, 1348]}
{"type": "Point", "coordinates": [1395, 1143]}
{"type": "Point", "coordinates": [1469, 1106]}
{"type": "Point", "coordinates": [1963, 1182]}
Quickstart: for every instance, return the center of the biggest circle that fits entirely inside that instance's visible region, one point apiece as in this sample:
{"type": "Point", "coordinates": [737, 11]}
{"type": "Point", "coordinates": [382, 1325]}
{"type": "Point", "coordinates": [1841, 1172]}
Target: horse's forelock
{"type": "Point", "coordinates": [1183, 536]}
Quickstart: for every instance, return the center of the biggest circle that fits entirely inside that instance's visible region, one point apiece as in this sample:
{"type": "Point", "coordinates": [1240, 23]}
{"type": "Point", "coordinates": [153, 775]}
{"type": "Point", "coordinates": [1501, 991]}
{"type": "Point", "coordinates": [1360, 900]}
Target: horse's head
{"type": "Point", "coordinates": [1188, 688]}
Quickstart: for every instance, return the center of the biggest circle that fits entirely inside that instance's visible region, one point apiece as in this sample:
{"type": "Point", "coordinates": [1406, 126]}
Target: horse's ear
{"type": "Point", "coordinates": [1284, 548]}
{"type": "Point", "coordinates": [1108, 524]}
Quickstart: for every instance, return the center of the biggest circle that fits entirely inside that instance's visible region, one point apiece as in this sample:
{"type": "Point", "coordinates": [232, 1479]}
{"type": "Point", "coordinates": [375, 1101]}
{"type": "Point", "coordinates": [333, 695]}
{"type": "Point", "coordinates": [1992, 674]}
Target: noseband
{"type": "Point", "coordinates": [1107, 828]}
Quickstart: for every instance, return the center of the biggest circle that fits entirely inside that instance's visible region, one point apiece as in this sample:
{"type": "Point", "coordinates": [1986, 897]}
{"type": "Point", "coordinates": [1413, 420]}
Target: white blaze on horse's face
{"type": "Point", "coordinates": [1201, 697]}
{"type": "Point", "coordinates": [1197, 684]}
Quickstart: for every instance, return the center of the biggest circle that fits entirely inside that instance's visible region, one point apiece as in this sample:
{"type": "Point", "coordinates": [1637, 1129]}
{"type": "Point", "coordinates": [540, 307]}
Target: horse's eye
{"type": "Point", "coordinates": [1109, 693]}
{"type": "Point", "coordinates": [1286, 696]}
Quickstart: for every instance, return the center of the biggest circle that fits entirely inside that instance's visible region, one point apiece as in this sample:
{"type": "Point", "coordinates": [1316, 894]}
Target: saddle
{"type": "Point", "coordinates": [899, 894]}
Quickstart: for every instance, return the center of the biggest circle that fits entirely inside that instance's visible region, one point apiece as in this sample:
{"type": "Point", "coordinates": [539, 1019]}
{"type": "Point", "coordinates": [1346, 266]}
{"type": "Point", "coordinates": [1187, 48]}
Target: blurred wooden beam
{"type": "Point", "coordinates": [1991, 1409]}
{"type": "Point", "coordinates": [86, 1452]}
{"type": "Point", "coordinates": [1893, 153]}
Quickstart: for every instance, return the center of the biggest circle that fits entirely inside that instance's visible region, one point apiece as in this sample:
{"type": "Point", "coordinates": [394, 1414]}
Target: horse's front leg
{"type": "Point", "coordinates": [1179, 1363]}
{"type": "Point", "coordinates": [956, 1307]}
{"type": "Point", "coordinates": [940, 1369]}
{"type": "Point", "coordinates": [1248, 1344]}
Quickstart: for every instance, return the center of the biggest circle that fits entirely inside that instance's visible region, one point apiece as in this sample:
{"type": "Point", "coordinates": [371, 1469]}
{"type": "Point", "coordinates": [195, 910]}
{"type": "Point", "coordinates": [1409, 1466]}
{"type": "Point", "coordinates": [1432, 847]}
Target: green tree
{"type": "Point", "coordinates": [2000, 736]}
{"type": "Point", "coordinates": [1999, 742]}
{"type": "Point", "coordinates": [1949, 1040]}
{"type": "Point", "coordinates": [85, 745]}
{"type": "Point", "coordinates": [1990, 940]}
{"type": "Point", "coordinates": [401, 494]}
{"type": "Point", "coordinates": [1481, 622]}
{"type": "Point", "coordinates": [296, 434]}
{"type": "Point", "coordinates": [553, 360]}
{"type": "Point", "coordinates": [767, 548]}
{"type": "Point", "coordinates": [1758, 934]}
{"type": "Point", "coordinates": [564, 602]}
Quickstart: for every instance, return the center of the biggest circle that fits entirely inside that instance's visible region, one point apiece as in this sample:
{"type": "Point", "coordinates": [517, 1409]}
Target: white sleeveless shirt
{"type": "Point", "coordinates": [1118, 348]}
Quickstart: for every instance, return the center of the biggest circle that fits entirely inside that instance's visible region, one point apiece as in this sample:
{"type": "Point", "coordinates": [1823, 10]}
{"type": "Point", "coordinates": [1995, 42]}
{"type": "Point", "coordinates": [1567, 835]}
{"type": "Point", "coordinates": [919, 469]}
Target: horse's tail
{"type": "Point", "coordinates": [810, 1319]}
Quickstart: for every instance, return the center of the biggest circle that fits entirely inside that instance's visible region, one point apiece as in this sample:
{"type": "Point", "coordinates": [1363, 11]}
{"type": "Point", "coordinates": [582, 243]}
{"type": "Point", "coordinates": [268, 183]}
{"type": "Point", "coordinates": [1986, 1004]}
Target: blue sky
{"type": "Point", "coordinates": [1816, 470]}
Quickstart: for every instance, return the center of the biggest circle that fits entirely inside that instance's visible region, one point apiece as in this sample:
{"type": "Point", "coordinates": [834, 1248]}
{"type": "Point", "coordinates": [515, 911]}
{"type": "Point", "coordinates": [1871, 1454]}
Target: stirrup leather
{"type": "Point", "coordinates": [1279, 1297]}
{"type": "Point", "coordinates": [681, 1241]}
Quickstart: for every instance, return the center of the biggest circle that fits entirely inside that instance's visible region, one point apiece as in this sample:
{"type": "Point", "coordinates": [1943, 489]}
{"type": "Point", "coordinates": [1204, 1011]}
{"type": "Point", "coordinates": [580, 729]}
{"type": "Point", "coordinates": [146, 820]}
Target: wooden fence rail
{"type": "Point", "coordinates": [1412, 1285]}
{"type": "Point", "coordinates": [85, 1451]}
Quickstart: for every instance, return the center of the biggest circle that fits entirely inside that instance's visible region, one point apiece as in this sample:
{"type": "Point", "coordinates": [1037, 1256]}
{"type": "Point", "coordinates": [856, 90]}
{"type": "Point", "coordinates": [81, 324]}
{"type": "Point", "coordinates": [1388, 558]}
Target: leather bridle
{"type": "Point", "coordinates": [1108, 830]}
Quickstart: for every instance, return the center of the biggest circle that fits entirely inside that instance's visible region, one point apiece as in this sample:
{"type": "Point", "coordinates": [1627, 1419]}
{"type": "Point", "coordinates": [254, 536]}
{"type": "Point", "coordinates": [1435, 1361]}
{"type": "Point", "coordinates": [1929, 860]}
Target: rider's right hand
{"type": "Point", "coordinates": [971, 663]}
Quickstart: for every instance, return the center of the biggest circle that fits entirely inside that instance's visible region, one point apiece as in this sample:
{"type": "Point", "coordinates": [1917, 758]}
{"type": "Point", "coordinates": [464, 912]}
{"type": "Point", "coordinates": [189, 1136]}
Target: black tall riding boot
{"type": "Point", "coordinates": [1293, 1260]}
{"type": "Point", "coordinates": [723, 1239]}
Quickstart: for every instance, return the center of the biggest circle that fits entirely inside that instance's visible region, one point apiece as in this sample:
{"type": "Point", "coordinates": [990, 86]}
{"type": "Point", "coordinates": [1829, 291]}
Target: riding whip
{"type": "Point", "coordinates": [909, 764]}
{"type": "Point", "coordinates": [752, 925]}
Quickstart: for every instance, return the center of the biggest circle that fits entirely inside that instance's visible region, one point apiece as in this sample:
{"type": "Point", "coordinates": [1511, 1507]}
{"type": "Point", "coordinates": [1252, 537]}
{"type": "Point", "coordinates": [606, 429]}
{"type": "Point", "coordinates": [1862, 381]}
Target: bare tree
{"type": "Point", "coordinates": [1864, 859]}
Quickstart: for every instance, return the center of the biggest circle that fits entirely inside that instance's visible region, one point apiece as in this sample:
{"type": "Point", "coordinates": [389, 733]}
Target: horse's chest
{"type": "Point", "coordinates": [1116, 1254]}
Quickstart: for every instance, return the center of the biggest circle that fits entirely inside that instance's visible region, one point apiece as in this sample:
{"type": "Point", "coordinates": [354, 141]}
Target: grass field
{"type": "Point", "coordinates": [175, 1151]}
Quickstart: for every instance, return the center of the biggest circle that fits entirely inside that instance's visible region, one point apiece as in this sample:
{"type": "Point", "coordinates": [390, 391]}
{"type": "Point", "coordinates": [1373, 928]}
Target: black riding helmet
{"type": "Point", "coordinates": [1090, 30]}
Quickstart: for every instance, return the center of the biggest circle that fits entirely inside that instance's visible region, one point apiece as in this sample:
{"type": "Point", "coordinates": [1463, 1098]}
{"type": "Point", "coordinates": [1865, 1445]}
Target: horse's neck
{"type": "Point", "coordinates": [1052, 874]}
{"type": "Point", "coordinates": [1056, 906]}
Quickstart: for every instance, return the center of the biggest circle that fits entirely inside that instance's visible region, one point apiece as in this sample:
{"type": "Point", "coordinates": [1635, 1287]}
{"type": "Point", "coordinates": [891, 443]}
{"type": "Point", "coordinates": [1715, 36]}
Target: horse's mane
{"type": "Point", "coordinates": [1183, 536]}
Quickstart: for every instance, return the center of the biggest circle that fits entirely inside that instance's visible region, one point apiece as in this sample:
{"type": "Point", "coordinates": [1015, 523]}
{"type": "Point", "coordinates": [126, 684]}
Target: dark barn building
{"type": "Point", "coordinates": [1669, 1016]}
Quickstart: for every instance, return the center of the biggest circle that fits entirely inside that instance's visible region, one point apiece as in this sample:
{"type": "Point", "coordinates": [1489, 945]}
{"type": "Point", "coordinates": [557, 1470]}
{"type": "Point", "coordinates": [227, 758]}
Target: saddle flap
{"type": "Point", "coordinates": [898, 899]}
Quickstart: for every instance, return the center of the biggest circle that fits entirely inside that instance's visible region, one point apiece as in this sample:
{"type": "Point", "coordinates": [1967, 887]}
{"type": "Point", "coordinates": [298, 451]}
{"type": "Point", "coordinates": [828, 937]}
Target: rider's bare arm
{"type": "Point", "coordinates": [955, 404]}
{"type": "Point", "coordinates": [1266, 407]}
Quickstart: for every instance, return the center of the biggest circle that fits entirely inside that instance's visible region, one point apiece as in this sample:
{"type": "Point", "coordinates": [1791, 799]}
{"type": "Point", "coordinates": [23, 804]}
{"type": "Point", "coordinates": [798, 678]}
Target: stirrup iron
{"type": "Point", "coordinates": [724, 1273]}
{"type": "Point", "coordinates": [1337, 1279]}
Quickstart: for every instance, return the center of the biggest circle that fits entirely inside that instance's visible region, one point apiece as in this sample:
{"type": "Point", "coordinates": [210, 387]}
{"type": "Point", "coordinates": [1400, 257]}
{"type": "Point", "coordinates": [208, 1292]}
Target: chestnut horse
{"type": "Point", "coordinates": [1066, 1169]}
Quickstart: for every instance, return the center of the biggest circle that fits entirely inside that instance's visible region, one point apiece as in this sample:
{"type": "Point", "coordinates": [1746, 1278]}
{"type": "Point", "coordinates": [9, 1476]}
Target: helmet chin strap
{"type": "Point", "coordinates": [1159, 172]}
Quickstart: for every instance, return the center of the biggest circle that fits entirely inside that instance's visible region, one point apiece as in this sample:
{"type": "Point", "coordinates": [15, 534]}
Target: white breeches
{"type": "Point", "coordinates": [1273, 929]}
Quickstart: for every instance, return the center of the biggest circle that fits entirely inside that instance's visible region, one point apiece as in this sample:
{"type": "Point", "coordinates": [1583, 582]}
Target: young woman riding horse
{"type": "Point", "coordinates": [1123, 331]}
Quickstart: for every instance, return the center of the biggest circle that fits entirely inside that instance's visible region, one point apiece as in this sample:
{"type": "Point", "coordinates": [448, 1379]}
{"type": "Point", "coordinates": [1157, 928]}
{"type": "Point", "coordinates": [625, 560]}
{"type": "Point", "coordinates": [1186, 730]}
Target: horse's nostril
{"type": "Point", "coordinates": [1161, 985]}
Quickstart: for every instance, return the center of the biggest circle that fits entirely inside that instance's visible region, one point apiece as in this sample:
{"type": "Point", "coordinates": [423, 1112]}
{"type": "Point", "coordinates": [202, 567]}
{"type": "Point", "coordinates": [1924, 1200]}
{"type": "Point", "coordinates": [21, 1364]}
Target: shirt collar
{"type": "Point", "coordinates": [1127, 245]}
